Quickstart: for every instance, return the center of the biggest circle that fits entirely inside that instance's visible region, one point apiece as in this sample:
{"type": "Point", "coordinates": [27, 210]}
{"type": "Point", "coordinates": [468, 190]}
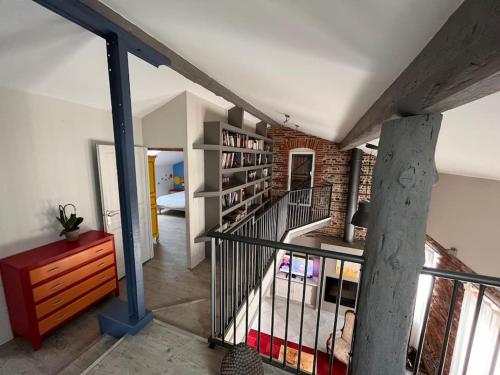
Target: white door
{"type": "Point", "coordinates": [110, 201]}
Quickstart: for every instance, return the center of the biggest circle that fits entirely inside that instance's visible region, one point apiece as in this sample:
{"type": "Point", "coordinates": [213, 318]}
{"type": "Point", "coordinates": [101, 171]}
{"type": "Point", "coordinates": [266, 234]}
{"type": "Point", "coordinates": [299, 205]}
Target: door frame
{"type": "Point", "coordinates": [300, 151]}
{"type": "Point", "coordinates": [144, 179]}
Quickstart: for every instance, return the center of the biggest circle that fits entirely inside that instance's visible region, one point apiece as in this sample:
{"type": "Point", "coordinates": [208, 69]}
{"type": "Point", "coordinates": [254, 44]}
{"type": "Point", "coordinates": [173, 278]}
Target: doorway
{"type": "Point", "coordinates": [168, 204]}
{"type": "Point", "coordinates": [301, 169]}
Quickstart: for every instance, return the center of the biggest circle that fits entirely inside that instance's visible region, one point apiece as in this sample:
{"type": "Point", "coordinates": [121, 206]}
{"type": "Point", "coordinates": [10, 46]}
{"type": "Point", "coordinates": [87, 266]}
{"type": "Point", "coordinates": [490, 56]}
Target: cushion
{"type": "Point", "coordinates": [341, 350]}
{"type": "Point", "coordinates": [240, 360]}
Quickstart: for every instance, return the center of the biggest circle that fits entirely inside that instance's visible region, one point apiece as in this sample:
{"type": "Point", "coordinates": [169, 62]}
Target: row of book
{"type": "Point", "coordinates": [243, 141]}
{"type": "Point", "coordinates": [247, 160]}
{"type": "Point", "coordinates": [230, 159]}
{"type": "Point", "coordinates": [261, 159]}
{"type": "Point", "coordinates": [234, 216]}
{"type": "Point", "coordinates": [252, 175]}
{"type": "Point", "coordinates": [229, 200]}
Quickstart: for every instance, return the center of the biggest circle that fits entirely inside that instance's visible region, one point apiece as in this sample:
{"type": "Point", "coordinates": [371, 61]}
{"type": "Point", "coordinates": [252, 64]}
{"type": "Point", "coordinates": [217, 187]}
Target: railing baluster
{"type": "Point", "coordinates": [451, 311]}
{"type": "Point", "coordinates": [213, 298]}
{"type": "Point", "coordinates": [472, 333]}
{"type": "Point", "coordinates": [318, 317]}
{"type": "Point", "coordinates": [337, 305]}
{"type": "Point", "coordinates": [233, 279]}
{"type": "Point", "coordinates": [260, 306]}
{"type": "Point", "coordinates": [224, 287]}
{"type": "Point", "coordinates": [423, 330]}
{"type": "Point", "coordinates": [272, 304]}
{"type": "Point", "coordinates": [302, 312]}
{"type": "Point", "coordinates": [287, 307]}
{"type": "Point", "coordinates": [247, 271]}
{"type": "Point", "coordinates": [351, 345]}
{"type": "Point", "coordinates": [221, 307]}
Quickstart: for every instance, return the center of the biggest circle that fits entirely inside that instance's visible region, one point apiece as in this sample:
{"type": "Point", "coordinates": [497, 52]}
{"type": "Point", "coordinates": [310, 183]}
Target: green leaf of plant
{"type": "Point", "coordinates": [71, 222]}
{"type": "Point", "coordinates": [79, 220]}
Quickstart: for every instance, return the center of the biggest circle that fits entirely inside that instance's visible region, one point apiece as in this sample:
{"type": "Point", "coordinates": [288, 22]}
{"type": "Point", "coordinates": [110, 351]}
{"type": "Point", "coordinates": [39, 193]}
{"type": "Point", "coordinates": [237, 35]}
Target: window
{"type": "Point", "coordinates": [486, 340]}
{"type": "Point", "coordinates": [423, 292]}
{"type": "Point", "coordinates": [301, 169]}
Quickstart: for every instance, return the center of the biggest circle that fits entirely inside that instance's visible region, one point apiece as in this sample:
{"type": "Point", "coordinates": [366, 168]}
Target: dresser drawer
{"type": "Point", "coordinates": [70, 294]}
{"type": "Point", "coordinates": [55, 268]}
{"type": "Point", "coordinates": [67, 312]}
{"type": "Point", "coordinates": [54, 286]}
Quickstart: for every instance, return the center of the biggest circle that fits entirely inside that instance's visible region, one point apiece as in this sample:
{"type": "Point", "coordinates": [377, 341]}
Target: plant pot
{"type": "Point", "coordinates": [73, 235]}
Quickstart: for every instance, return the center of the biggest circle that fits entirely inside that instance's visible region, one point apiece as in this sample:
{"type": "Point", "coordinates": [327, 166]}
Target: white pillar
{"type": "Point", "coordinates": [394, 251]}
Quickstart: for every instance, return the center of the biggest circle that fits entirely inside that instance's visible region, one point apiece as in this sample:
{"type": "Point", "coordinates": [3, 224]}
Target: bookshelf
{"type": "Point", "coordinates": [238, 168]}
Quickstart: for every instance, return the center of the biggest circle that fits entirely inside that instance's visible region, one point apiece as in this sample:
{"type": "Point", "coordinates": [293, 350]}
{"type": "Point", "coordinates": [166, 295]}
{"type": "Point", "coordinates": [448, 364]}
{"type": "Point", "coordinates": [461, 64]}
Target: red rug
{"type": "Point", "coordinates": [338, 367]}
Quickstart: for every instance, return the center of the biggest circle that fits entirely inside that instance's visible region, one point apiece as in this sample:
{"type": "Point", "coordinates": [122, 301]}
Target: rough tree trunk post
{"type": "Point", "coordinates": [394, 251]}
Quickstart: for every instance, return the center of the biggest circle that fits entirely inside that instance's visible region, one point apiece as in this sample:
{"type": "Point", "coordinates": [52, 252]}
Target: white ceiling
{"type": "Point", "coordinates": [323, 62]}
{"type": "Point", "coordinates": [45, 54]}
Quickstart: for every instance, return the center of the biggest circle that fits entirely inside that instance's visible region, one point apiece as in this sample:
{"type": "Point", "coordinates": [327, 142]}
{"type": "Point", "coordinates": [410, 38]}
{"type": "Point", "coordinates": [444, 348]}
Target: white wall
{"type": "Point", "coordinates": [199, 111]}
{"type": "Point", "coordinates": [47, 157]}
{"type": "Point", "coordinates": [166, 126]}
{"type": "Point", "coordinates": [163, 184]}
{"type": "Point", "coordinates": [464, 214]}
{"type": "Point", "coordinates": [179, 123]}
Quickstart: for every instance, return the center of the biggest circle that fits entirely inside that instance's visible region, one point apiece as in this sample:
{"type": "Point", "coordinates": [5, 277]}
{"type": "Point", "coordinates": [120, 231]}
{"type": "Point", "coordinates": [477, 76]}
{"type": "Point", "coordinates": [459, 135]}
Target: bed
{"type": "Point", "coordinates": [174, 201]}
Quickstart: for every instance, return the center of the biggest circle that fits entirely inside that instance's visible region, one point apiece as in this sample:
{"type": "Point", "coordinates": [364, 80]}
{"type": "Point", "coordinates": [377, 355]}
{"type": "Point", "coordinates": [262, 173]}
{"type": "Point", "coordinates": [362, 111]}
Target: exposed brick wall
{"type": "Point", "coordinates": [331, 168]}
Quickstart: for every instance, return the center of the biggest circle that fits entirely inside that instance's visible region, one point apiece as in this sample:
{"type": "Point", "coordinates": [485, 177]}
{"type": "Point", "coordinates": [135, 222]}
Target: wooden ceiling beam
{"type": "Point", "coordinates": [460, 64]}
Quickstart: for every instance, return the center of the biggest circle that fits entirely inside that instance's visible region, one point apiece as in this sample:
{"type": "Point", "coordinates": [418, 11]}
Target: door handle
{"type": "Point", "coordinates": [111, 213]}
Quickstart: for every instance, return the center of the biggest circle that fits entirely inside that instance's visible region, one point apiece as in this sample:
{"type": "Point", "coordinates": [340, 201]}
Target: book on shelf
{"type": "Point", "coordinates": [235, 216]}
{"type": "Point", "coordinates": [265, 172]}
{"type": "Point", "coordinates": [247, 160]}
{"type": "Point", "coordinates": [245, 193]}
{"type": "Point", "coordinates": [226, 181]}
{"type": "Point", "coordinates": [259, 160]}
{"type": "Point", "coordinates": [232, 139]}
{"type": "Point", "coordinates": [252, 175]}
{"type": "Point", "coordinates": [230, 159]}
{"type": "Point", "coordinates": [229, 200]}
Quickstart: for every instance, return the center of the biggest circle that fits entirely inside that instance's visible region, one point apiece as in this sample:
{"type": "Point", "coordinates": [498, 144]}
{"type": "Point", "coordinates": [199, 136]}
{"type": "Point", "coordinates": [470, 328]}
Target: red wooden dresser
{"type": "Point", "coordinates": [49, 285]}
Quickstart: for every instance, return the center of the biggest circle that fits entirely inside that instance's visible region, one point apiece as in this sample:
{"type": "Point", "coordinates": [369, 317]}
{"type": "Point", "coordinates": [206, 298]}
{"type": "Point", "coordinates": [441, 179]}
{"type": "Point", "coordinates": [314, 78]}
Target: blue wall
{"type": "Point", "coordinates": [178, 171]}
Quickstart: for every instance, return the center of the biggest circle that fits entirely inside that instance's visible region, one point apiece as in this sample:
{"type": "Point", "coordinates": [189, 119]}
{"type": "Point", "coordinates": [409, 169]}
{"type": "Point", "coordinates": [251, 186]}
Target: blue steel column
{"type": "Point", "coordinates": [119, 318]}
{"type": "Point", "coordinates": [125, 164]}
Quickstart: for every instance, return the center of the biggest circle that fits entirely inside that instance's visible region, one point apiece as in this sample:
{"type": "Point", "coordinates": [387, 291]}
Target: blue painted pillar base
{"type": "Point", "coordinates": [114, 319]}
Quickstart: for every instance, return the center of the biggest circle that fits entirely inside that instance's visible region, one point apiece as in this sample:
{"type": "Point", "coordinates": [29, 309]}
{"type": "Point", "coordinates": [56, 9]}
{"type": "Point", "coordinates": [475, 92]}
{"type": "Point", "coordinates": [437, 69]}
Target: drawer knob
{"type": "Point", "coordinates": [59, 301]}
{"type": "Point", "coordinates": [56, 286]}
{"type": "Point", "coordinates": [101, 264]}
{"type": "Point", "coordinates": [99, 251]}
{"type": "Point", "coordinates": [61, 317]}
{"type": "Point", "coordinates": [53, 269]}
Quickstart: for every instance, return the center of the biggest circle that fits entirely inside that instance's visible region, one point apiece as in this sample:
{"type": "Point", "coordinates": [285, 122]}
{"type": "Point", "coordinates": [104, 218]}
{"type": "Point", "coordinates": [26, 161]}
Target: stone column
{"type": "Point", "coordinates": [394, 251]}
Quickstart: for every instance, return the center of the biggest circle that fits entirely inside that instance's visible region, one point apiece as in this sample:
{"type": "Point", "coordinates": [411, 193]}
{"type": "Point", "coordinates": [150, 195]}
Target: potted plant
{"type": "Point", "coordinates": [70, 224]}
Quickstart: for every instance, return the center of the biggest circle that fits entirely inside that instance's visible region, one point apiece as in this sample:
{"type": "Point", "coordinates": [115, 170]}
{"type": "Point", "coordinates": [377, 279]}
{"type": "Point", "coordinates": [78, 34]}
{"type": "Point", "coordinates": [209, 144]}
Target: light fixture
{"type": "Point", "coordinates": [362, 215]}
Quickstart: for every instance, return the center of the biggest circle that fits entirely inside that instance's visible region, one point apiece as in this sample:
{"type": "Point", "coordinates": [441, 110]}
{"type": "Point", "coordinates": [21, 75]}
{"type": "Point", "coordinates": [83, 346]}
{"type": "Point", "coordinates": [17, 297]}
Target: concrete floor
{"type": "Point", "coordinates": [163, 349]}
